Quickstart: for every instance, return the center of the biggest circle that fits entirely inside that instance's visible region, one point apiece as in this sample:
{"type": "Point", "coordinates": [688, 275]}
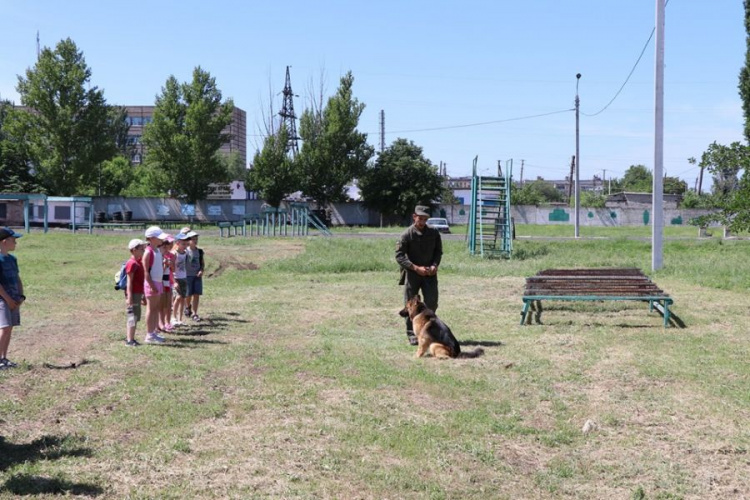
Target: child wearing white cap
{"type": "Point", "coordinates": [153, 268]}
{"type": "Point", "coordinates": [134, 290]}
{"type": "Point", "coordinates": [195, 265]}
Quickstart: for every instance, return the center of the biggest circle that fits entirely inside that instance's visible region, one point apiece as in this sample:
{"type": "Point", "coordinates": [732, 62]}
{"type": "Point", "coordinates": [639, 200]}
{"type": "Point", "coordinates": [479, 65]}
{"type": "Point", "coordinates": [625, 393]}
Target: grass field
{"type": "Point", "coordinates": [300, 382]}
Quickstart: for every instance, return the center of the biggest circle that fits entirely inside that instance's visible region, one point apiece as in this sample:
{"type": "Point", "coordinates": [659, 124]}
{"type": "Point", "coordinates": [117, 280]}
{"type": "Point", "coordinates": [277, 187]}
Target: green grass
{"type": "Point", "coordinates": [300, 383]}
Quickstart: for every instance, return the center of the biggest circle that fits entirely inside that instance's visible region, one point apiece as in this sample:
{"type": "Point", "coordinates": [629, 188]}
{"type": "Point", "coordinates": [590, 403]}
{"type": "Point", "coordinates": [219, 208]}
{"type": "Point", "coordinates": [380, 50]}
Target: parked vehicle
{"type": "Point", "coordinates": [439, 223]}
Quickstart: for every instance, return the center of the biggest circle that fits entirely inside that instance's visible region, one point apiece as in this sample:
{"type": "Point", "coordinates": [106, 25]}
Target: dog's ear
{"type": "Point", "coordinates": [420, 307]}
{"type": "Point", "coordinates": [404, 313]}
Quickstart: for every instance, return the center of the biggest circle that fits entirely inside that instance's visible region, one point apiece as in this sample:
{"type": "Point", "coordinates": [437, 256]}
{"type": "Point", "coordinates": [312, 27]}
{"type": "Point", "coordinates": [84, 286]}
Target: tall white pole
{"type": "Point", "coordinates": [657, 226]}
{"type": "Point", "coordinates": [578, 163]}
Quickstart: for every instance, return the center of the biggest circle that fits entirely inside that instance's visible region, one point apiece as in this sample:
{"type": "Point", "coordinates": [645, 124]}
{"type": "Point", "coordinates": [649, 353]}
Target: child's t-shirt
{"type": "Point", "coordinates": [194, 261]}
{"type": "Point", "coordinates": [9, 276]}
{"type": "Point", "coordinates": [157, 265]}
{"type": "Point", "coordinates": [168, 274]}
{"type": "Point", "coordinates": [135, 267]}
{"type": "Point", "coordinates": [180, 266]}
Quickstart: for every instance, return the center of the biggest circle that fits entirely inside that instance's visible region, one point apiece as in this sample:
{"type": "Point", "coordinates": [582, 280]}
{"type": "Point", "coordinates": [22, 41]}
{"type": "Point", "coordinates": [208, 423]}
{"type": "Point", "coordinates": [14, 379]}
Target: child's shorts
{"type": "Point", "coordinates": [194, 285]}
{"type": "Point", "coordinates": [151, 292]}
{"type": "Point", "coordinates": [9, 317]}
{"type": "Point", "coordinates": [181, 288]}
{"type": "Point", "coordinates": [134, 311]}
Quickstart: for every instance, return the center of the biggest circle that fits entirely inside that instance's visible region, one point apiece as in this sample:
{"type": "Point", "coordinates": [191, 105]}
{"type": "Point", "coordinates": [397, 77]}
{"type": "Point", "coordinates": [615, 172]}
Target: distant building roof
{"type": "Point", "coordinates": [624, 199]}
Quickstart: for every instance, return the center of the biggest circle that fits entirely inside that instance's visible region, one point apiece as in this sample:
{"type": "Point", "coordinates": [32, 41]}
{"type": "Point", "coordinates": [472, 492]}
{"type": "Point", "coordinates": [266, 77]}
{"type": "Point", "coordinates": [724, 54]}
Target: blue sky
{"type": "Point", "coordinates": [428, 65]}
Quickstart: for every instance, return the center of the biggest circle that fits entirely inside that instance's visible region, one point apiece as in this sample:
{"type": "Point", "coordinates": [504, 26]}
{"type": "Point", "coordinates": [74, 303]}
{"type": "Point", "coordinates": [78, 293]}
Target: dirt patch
{"type": "Point", "coordinates": [226, 263]}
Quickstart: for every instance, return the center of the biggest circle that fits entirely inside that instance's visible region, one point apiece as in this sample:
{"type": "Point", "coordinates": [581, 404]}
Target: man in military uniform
{"type": "Point", "coordinates": [418, 252]}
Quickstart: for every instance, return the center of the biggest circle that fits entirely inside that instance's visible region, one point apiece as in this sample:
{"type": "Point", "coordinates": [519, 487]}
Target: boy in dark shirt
{"type": "Point", "coordinates": [11, 293]}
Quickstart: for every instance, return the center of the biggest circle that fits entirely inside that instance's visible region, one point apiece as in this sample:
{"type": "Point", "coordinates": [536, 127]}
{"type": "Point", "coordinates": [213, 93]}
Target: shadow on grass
{"type": "Point", "coordinates": [483, 343]}
{"type": "Point", "coordinates": [44, 448]}
{"type": "Point", "coordinates": [229, 317]}
{"type": "Point", "coordinates": [190, 343]}
{"type": "Point", "coordinates": [70, 366]}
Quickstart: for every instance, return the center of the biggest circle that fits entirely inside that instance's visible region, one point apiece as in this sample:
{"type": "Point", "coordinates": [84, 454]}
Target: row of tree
{"type": "Point", "coordinates": [67, 140]}
{"type": "Point", "coordinates": [334, 154]}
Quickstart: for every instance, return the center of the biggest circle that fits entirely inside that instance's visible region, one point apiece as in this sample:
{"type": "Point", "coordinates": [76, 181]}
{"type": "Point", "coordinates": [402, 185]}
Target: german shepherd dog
{"type": "Point", "coordinates": [433, 335]}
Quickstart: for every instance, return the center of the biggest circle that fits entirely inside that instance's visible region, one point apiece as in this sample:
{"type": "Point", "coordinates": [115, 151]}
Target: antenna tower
{"type": "Point", "coordinates": [287, 113]}
{"type": "Point", "coordinates": [382, 130]}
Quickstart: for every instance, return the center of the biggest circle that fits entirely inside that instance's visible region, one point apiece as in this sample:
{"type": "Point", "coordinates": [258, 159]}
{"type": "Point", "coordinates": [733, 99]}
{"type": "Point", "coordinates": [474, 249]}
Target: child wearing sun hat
{"type": "Point", "coordinates": [153, 269]}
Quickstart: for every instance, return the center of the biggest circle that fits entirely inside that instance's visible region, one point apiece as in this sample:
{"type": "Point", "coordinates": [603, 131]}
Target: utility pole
{"type": "Point", "coordinates": [604, 178]}
{"type": "Point", "coordinates": [700, 182]}
{"type": "Point", "coordinates": [522, 172]}
{"type": "Point", "coordinates": [570, 176]}
{"type": "Point", "coordinates": [287, 113]}
{"type": "Point", "coordinates": [382, 130]}
{"type": "Point", "coordinates": [38, 50]}
{"type": "Point", "coordinates": [578, 163]}
{"type": "Point", "coordinates": [657, 226]}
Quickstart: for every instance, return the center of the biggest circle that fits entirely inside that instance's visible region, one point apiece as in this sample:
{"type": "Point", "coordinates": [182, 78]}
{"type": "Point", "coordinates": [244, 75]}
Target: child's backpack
{"type": "Point", "coordinates": [121, 278]}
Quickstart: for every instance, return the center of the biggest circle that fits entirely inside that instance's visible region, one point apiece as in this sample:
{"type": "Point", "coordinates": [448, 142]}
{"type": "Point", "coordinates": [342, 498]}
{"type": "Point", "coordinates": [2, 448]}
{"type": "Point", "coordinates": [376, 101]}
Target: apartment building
{"type": "Point", "coordinates": [140, 116]}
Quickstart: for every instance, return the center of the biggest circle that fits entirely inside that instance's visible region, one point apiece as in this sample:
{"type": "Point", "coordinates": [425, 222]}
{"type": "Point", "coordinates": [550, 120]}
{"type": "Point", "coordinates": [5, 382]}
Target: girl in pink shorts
{"type": "Point", "coordinates": [153, 288]}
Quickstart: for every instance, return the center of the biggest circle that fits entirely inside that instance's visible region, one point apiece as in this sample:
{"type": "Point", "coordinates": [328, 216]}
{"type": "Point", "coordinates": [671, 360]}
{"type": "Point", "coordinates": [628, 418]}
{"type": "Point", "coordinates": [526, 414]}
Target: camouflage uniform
{"type": "Point", "coordinates": [415, 248]}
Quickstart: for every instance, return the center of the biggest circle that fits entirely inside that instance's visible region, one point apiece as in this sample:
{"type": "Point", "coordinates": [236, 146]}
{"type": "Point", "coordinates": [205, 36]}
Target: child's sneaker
{"type": "Point", "coordinates": [153, 338]}
{"type": "Point", "coordinates": [177, 323]}
{"type": "Point", "coordinates": [196, 317]}
{"type": "Point", "coordinates": [188, 311]}
{"type": "Point", "coordinates": [168, 327]}
{"type": "Point", "coordinates": [132, 343]}
{"type": "Point", "coordinates": [7, 363]}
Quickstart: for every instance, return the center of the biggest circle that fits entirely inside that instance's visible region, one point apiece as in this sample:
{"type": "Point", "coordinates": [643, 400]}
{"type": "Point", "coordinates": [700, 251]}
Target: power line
{"type": "Point", "coordinates": [479, 124]}
{"type": "Point", "coordinates": [645, 46]}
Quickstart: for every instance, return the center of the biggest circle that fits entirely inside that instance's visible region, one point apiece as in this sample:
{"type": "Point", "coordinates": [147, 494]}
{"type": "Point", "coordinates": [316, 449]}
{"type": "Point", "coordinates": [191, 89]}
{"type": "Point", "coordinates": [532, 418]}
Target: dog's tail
{"type": "Point", "coordinates": [472, 354]}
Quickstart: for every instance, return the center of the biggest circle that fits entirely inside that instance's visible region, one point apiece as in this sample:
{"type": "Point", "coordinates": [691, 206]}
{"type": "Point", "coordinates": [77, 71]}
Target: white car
{"type": "Point", "coordinates": [439, 223]}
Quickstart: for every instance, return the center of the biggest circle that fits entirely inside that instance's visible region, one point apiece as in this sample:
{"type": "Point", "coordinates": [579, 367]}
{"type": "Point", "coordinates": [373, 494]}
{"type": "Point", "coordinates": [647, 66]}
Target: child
{"type": "Point", "coordinates": [180, 278]}
{"type": "Point", "coordinates": [165, 313]}
{"type": "Point", "coordinates": [134, 292]}
{"type": "Point", "coordinates": [153, 270]}
{"type": "Point", "coordinates": [194, 275]}
{"type": "Point", "coordinates": [11, 293]}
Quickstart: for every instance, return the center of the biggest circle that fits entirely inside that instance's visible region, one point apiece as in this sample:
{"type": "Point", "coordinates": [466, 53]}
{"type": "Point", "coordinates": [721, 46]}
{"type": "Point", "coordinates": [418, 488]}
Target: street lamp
{"type": "Point", "coordinates": [578, 162]}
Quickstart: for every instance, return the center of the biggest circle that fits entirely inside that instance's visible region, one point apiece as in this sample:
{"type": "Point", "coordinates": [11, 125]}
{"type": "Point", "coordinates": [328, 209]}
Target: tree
{"type": "Point", "coordinates": [14, 162]}
{"type": "Point", "coordinates": [114, 177]}
{"type": "Point", "coordinates": [400, 179]}
{"type": "Point", "coordinates": [538, 192]}
{"type": "Point", "coordinates": [591, 199]}
{"type": "Point", "coordinates": [691, 199]}
{"type": "Point", "coordinates": [333, 151]}
{"type": "Point", "coordinates": [673, 185]}
{"type": "Point", "coordinates": [724, 163]}
{"type": "Point", "coordinates": [274, 174]}
{"type": "Point", "coordinates": [185, 135]}
{"type": "Point", "coordinates": [744, 83]}
{"type": "Point", "coordinates": [235, 167]}
{"type": "Point", "coordinates": [69, 128]}
{"type": "Point", "coordinates": [638, 179]}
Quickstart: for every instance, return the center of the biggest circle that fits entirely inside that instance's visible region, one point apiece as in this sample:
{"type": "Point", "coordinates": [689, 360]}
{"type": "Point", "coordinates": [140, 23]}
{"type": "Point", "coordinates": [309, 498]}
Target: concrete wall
{"type": "Point", "coordinates": [530, 214]}
{"type": "Point", "coordinates": [354, 213]}
{"type": "Point", "coordinates": [155, 209]}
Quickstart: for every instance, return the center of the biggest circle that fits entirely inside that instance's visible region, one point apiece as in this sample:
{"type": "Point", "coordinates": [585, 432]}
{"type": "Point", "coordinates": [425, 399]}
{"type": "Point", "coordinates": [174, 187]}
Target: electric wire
{"type": "Point", "coordinates": [643, 51]}
{"type": "Point", "coordinates": [478, 124]}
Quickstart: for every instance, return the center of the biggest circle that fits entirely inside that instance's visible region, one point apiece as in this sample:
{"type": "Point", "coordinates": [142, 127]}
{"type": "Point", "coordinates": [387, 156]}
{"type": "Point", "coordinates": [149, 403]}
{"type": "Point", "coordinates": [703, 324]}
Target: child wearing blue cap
{"type": "Point", "coordinates": [11, 293]}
